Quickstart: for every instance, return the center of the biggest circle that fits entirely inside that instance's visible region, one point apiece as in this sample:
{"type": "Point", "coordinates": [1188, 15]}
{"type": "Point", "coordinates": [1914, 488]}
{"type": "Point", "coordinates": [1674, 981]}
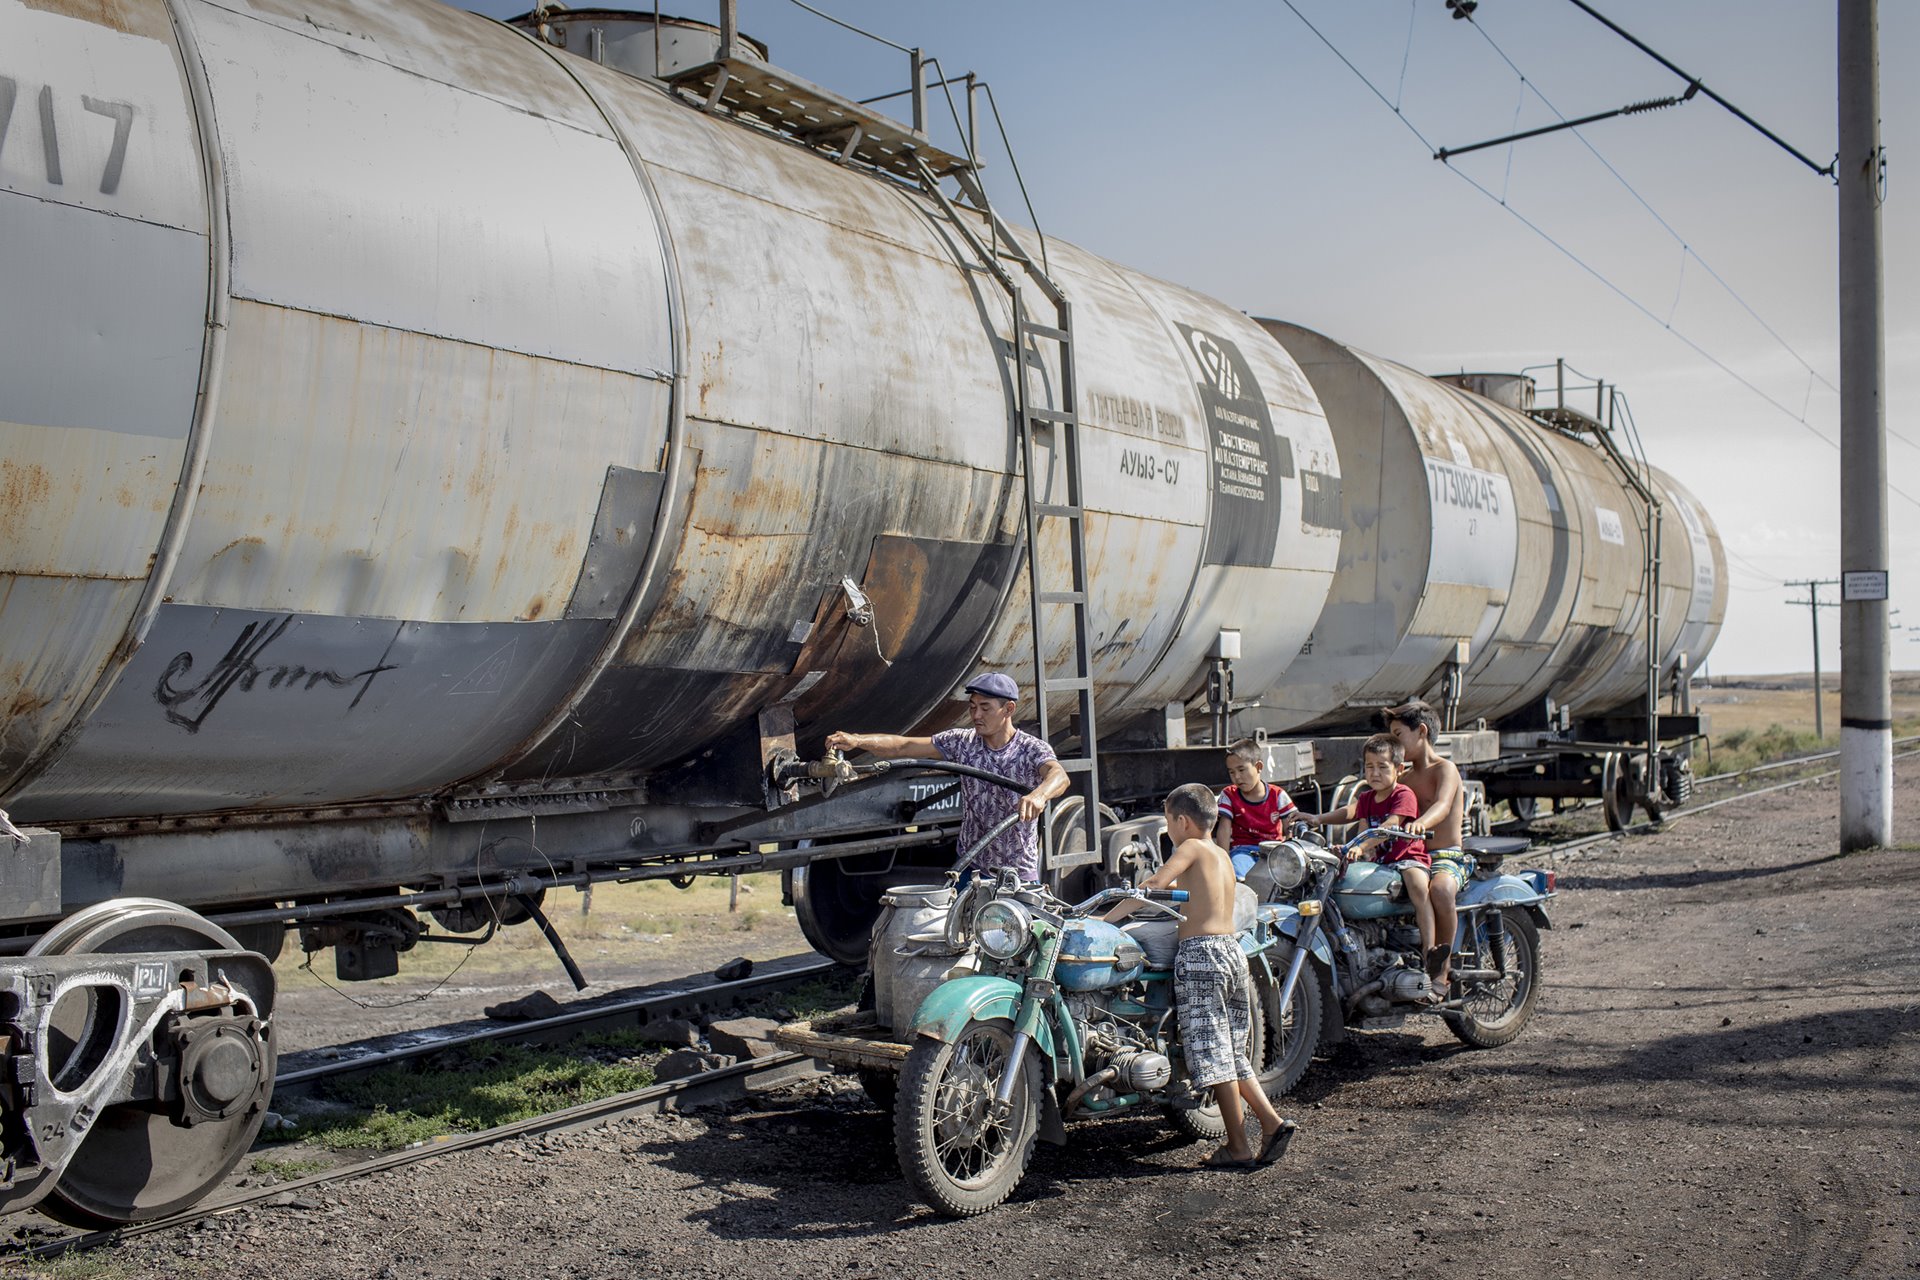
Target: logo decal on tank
{"type": "Point", "coordinates": [1249, 458]}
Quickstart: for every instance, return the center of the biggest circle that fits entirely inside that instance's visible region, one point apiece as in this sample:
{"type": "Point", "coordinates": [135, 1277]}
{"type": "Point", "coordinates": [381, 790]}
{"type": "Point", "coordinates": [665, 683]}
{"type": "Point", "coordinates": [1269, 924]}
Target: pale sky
{"type": "Point", "coordinates": [1226, 148]}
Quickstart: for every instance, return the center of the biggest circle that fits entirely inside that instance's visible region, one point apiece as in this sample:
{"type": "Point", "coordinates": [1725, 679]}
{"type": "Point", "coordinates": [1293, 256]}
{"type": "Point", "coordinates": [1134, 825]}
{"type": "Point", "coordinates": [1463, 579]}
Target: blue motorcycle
{"type": "Point", "coordinates": [1070, 1016]}
{"type": "Point", "coordinates": [1353, 949]}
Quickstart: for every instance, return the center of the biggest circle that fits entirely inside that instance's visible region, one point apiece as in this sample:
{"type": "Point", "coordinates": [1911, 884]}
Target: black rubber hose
{"type": "Point", "coordinates": [965, 770]}
{"type": "Point", "coordinates": [539, 917]}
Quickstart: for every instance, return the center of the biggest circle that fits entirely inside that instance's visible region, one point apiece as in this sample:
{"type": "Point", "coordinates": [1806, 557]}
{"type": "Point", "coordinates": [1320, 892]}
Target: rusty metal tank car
{"type": "Point", "coordinates": [443, 461]}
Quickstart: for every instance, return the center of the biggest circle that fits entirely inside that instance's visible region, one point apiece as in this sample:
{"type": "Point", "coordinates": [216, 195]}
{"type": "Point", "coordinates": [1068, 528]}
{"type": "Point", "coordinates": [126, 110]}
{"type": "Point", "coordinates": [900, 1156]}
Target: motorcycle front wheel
{"type": "Point", "coordinates": [957, 1152]}
{"type": "Point", "coordinates": [1497, 1012]}
{"type": "Point", "coordinates": [1293, 1033]}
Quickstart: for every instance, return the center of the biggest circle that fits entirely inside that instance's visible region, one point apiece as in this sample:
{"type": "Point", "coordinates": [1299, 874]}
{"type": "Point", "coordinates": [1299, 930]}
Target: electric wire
{"type": "Point", "coordinates": [1686, 249]}
{"type": "Point", "coordinates": [1573, 257]}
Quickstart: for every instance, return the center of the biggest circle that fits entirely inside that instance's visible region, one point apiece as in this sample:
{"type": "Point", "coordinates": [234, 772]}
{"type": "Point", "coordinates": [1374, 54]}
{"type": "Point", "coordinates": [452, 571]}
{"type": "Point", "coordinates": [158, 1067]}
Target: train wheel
{"type": "Point", "coordinates": [1616, 791]}
{"type": "Point", "coordinates": [836, 911]}
{"type": "Point", "coordinates": [1525, 808]}
{"type": "Point", "coordinates": [138, 1163]}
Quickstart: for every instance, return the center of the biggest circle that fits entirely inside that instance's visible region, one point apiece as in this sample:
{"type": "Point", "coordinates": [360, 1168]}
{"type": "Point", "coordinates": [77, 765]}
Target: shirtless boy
{"type": "Point", "coordinates": [1435, 783]}
{"type": "Point", "coordinates": [1212, 991]}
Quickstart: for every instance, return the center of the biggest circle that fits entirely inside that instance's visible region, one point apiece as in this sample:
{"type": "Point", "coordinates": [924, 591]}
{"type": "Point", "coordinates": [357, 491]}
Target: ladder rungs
{"type": "Point", "coordinates": [1063, 597]}
{"type": "Point", "coordinates": [1046, 331]}
{"type": "Point", "coordinates": [1071, 684]}
{"type": "Point", "coordinates": [1058, 511]}
{"type": "Point", "coordinates": [1081, 765]}
{"type": "Point", "coordinates": [1052, 415]}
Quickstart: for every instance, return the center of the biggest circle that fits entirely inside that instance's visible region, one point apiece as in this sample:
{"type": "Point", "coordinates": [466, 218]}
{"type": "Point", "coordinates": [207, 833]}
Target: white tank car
{"type": "Point", "coordinates": [438, 465]}
{"type": "Point", "coordinates": [434, 408]}
{"type": "Point", "coordinates": [1465, 519]}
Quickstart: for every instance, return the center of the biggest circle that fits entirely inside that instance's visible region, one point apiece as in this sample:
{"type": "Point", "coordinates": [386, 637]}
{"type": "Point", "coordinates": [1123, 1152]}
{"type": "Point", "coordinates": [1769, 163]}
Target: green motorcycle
{"type": "Point", "coordinates": [1068, 1019]}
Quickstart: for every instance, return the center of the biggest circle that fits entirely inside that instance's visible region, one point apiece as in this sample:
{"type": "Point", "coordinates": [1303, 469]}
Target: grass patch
{"type": "Point", "coordinates": [470, 1088]}
{"type": "Point", "coordinates": [1745, 748]}
{"type": "Point", "coordinates": [809, 1000]}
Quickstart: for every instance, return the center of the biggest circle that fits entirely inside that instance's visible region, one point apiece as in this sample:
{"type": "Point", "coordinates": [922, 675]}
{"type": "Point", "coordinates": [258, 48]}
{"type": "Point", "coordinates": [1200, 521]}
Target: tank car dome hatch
{"type": "Point", "coordinates": [645, 45]}
{"type": "Point", "coordinates": [1514, 390]}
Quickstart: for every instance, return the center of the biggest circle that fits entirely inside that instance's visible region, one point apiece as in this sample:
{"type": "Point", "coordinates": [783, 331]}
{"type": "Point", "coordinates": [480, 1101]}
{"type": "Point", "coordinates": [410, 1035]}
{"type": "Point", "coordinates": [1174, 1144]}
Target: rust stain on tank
{"type": "Point", "coordinates": [26, 491]}
{"type": "Point", "coordinates": [135, 17]}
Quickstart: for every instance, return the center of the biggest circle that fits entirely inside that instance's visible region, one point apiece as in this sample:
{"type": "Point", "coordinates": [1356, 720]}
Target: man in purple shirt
{"type": "Point", "coordinates": [995, 745]}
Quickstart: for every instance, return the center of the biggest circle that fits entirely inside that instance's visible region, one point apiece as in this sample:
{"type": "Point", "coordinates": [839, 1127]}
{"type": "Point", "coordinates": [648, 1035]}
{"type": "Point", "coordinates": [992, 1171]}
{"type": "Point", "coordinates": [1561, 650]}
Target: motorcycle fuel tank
{"type": "Point", "coordinates": [1095, 955]}
{"type": "Point", "coordinates": [1369, 891]}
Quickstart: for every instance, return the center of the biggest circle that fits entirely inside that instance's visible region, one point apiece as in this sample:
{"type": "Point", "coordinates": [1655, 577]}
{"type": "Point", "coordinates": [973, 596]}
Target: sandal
{"type": "Point", "coordinates": [1276, 1144]}
{"type": "Point", "coordinates": [1221, 1160]}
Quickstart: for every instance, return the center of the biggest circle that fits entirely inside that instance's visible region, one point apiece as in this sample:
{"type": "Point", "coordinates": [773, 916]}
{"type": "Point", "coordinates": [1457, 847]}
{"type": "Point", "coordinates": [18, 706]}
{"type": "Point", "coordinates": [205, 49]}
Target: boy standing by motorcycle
{"type": "Point", "coordinates": [1251, 810]}
{"type": "Point", "coordinates": [1386, 804]}
{"type": "Point", "coordinates": [1435, 782]}
{"type": "Point", "coordinates": [1213, 994]}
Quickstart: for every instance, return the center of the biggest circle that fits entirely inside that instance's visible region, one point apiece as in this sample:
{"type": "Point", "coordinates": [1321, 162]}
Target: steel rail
{"type": "Point", "coordinates": [1714, 779]}
{"type": "Point", "coordinates": [674, 1003]}
{"type": "Point", "coordinates": [653, 1097]}
{"type": "Point", "coordinates": [1639, 828]}
{"type": "Point", "coordinates": [574, 1023]}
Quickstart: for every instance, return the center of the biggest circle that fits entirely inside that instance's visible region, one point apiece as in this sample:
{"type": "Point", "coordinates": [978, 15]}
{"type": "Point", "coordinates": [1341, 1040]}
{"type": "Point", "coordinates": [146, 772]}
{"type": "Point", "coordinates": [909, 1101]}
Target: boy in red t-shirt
{"type": "Point", "coordinates": [1386, 804]}
{"type": "Point", "coordinates": [1251, 810]}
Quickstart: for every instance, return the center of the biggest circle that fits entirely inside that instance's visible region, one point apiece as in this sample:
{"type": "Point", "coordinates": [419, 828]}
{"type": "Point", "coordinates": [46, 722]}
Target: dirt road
{"type": "Point", "coordinates": [1720, 1082]}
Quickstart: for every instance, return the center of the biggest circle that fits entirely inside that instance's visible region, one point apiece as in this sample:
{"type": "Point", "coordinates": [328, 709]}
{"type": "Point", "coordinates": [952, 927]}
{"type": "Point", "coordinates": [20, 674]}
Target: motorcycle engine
{"type": "Point", "coordinates": [1138, 1070]}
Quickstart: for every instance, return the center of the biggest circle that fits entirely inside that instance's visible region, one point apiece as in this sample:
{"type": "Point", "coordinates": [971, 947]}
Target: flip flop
{"type": "Point", "coordinates": [1221, 1160]}
{"type": "Point", "coordinates": [1276, 1144]}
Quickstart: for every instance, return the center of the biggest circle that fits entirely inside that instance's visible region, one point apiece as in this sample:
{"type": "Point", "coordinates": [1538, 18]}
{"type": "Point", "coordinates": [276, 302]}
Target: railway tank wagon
{"type": "Point", "coordinates": [1468, 522]}
{"type": "Point", "coordinates": [444, 462]}
{"type": "Point", "coordinates": [459, 467]}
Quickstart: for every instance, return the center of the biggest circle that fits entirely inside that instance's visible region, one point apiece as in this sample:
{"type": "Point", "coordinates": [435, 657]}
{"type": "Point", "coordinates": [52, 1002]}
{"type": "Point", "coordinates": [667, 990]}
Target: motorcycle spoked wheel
{"type": "Point", "coordinates": [1206, 1122]}
{"type": "Point", "coordinates": [960, 1160]}
{"type": "Point", "coordinates": [1496, 1014]}
{"type": "Point", "coordinates": [1293, 1036]}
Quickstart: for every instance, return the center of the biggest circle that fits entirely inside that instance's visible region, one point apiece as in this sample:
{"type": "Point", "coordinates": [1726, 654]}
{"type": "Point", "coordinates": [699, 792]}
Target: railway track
{"type": "Point", "coordinates": [1560, 848]}
{"type": "Point", "coordinates": [715, 1084]}
{"type": "Point", "coordinates": [688, 1002]}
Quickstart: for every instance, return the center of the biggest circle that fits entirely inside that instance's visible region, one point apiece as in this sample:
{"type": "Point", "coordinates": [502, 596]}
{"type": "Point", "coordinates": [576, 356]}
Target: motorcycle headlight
{"type": "Point", "coordinates": [1002, 928]}
{"type": "Point", "coordinates": [1286, 863]}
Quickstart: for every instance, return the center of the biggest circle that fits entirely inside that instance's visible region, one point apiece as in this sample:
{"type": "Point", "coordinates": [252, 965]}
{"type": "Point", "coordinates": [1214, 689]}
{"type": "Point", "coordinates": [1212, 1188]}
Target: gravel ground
{"type": "Point", "coordinates": [1719, 1082]}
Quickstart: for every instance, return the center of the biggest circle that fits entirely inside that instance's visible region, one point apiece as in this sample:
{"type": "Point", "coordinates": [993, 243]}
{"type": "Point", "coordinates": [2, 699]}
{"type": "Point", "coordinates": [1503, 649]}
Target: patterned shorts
{"type": "Point", "coordinates": [1213, 995]}
{"type": "Point", "coordinates": [1457, 864]}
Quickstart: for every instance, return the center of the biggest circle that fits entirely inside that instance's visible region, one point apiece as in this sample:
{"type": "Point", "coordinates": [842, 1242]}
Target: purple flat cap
{"type": "Point", "coordinates": [995, 684]}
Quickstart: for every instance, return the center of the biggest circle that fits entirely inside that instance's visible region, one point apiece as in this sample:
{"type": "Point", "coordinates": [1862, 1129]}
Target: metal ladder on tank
{"type": "Point", "coordinates": [1076, 676]}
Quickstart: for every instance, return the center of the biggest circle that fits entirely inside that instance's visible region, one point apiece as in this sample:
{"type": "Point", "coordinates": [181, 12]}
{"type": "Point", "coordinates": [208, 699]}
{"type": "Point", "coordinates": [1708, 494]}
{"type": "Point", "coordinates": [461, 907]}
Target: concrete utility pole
{"type": "Point", "coordinates": [1814, 604]}
{"type": "Point", "coordinates": [1866, 686]}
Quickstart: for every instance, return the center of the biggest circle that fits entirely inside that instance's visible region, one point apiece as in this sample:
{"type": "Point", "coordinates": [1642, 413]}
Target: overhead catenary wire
{"type": "Point", "coordinates": [1687, 251]}
{"type": "Point", "coordinates": [1570, 255]}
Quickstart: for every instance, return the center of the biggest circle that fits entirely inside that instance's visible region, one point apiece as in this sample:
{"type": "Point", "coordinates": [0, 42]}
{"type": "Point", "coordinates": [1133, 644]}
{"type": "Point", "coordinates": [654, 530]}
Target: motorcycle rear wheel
{"type": "Point", "coordinates": [1508, 1006]}
{"type": "Point", "coordinates": [1206, 1122]}
{"type": "Point", "coordinates": [960, 1160]}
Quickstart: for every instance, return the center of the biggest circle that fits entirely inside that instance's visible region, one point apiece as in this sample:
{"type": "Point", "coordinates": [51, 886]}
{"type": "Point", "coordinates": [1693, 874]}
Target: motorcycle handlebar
{"type": "Point", "coordinates": [1164, 895]}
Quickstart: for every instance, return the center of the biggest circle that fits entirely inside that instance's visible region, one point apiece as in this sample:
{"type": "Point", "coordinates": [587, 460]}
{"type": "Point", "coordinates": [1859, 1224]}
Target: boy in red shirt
{"type": "Point", "coordinates": [1251, 810]}
{"type": "Point", "coordinates": [1387, 804]}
